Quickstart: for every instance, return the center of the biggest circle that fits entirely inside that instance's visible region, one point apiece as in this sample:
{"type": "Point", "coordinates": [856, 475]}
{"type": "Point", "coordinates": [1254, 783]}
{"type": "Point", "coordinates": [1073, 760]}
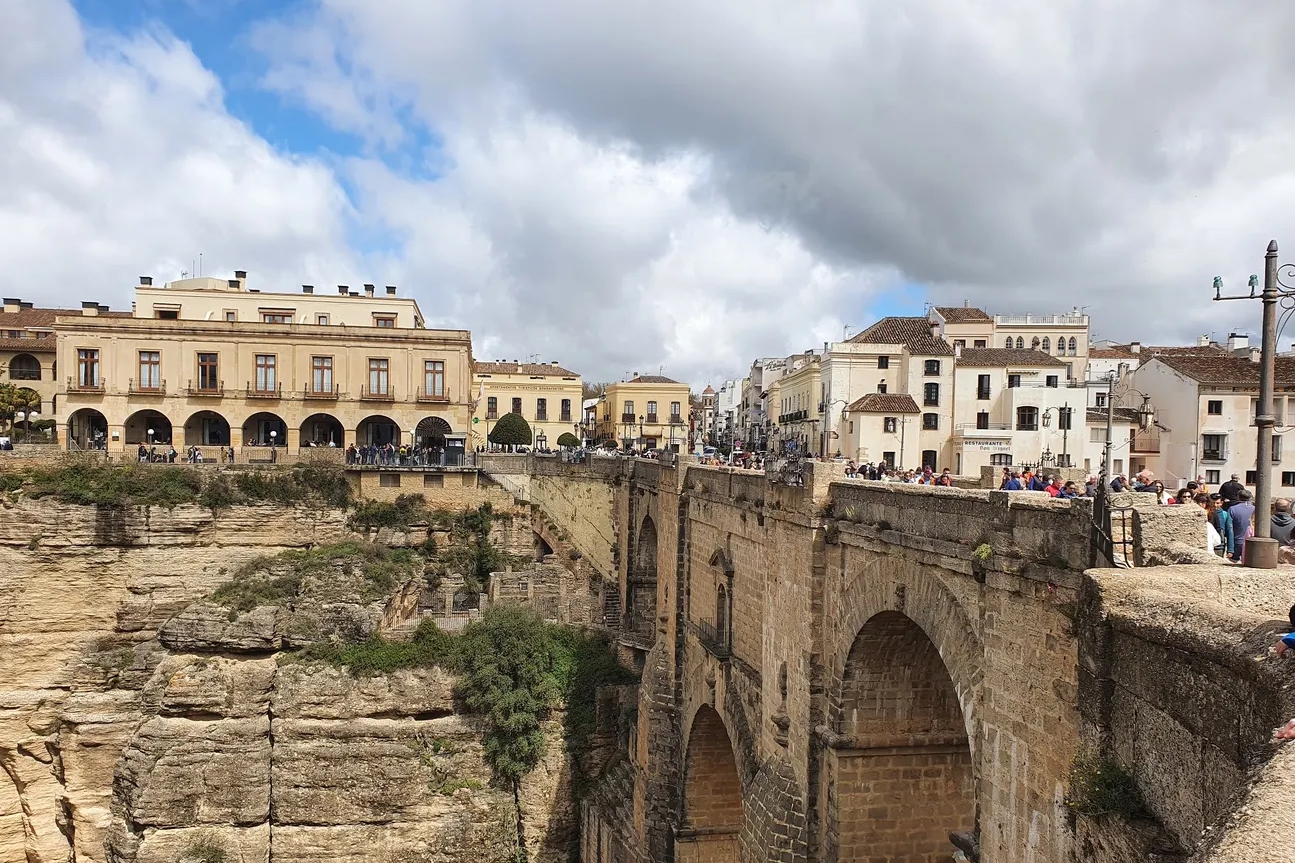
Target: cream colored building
{"type": "Point", "coordinates": [212, 362]}
{"type": "Point", "coordinates": [547, 395]}
{"type": "Point", "coordinates": [644, 412]}
{"type": "Point", "coordinates": [28, 349]}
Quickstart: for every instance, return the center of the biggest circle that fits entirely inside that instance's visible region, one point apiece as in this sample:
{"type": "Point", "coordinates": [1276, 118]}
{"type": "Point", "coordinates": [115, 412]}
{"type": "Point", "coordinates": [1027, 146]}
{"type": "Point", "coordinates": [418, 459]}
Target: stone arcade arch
{"type": "Point", "coordinates": [377, 430]}
{"type": "Point", "coordinates": [87, 429]}
{"type": "Point", "coordinates": [140, 423]}
{"type": "Point", "coordinates": [322, 430]}
{"type": "Point", "coordinates": [640, 590]}
{"type": "Point", "coordinates": [258, 427]}
{"type": "Point", "coordinates": [903, 772]}
{"type": "Point", "coordinates": [712, 801]}
{"type": "Point", "coordinates": [206, 428]}
{"type": "Point", "coordinates": [431, 432]}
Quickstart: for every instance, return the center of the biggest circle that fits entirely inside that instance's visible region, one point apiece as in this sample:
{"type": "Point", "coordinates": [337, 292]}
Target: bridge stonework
{"type": "Point", "coordinates": [831, 671]}
{"type": "Point", "coordinates": [877, 666]}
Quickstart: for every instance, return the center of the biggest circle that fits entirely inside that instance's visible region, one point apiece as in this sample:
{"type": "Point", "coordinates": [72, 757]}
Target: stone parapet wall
{"type": "Point", "coordinates": [1177, 686]}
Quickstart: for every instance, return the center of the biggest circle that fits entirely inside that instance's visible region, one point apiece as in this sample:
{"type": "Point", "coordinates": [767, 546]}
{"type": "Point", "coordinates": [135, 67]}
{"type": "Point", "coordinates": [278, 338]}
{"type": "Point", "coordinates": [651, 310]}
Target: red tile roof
{"type": "Point", "coordinates": [1005, 357]}
{"type": "Point", "coordinates": [651, 379]}
{"type": "Point", "coordinates": [885, 403]}
{"type": "Point", "coordinates": [1117, 353]}
{"type": "Point", "coordinates": [963, 314]}
{"type": "Point", "coordinates": [1224, 369]}
{"type": "Point", "coordinates": [913, 333]}
{"type": "Point", "coordinates": [521, 369]}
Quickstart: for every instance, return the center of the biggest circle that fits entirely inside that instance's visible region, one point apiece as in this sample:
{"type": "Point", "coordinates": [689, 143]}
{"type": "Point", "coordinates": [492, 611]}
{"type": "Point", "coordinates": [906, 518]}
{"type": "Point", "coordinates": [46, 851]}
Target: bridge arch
{"type": "Point", "coordinates": [901, 767]}
{"type": "Point", "coordinates": [713, 813]}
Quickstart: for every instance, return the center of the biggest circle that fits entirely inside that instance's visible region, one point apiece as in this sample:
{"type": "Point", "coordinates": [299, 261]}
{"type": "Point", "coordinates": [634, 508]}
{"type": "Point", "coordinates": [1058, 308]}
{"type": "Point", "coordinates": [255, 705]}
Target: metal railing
{"type": "Point", "coordinates": [200, 390]}
{"type": "Point", "coordinates": [74, 385]}
{"type": "Point", "coordinates": [386, 394]}
{"type": "Point", "coordinates": [311, 393]}
{"type": "Point", "coordinates": [629, 418]}
{"type": "Point", "coordinates": [1112, 533]}
{"type": "Point", "coordinates": [141, 390]}
{"type": "Point", "coordinates": [986, 427]}
{"type": "Point", "coordinates": [541, 416]}
{"type": "Point", "coordinates": [716, 642]}
{"type": "Point", "coordinates": [1042, 320]}
{"type": "Point", "coordinates": [273, 392]}
{"type": "Point", "coordinates": [424, 396]}
{"type": "Point", "coordinates": [565, 418]}
{"type": "Point", "coordinates": [652, 418]}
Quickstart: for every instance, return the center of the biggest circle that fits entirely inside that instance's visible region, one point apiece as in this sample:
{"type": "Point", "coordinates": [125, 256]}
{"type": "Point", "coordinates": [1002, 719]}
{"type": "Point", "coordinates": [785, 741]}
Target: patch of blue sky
{"type": "Point", "coordinates": [218, 32]}
{"type": "Point", "coordinates": [904, 299]}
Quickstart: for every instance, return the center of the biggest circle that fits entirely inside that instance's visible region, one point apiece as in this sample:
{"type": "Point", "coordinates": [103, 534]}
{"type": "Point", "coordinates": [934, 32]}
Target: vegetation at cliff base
{"type": "Point", "coordinates": [173, 485]}
{"type": "Point", "coordinates": [405, 510]}
{"type": "Point", "coordinates": [1100, 786]}
{"type": "Point", "coordinates": [429, 647]}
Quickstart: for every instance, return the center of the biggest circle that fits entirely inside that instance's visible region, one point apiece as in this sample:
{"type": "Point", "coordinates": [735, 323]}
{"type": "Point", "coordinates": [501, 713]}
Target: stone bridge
{"type": "Point", "coordinates": [837, 670]}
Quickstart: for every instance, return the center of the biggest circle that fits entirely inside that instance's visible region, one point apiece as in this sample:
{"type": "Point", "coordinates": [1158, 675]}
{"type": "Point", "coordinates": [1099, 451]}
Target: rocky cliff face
{"type": "Point", "coordinates": [138, 723]}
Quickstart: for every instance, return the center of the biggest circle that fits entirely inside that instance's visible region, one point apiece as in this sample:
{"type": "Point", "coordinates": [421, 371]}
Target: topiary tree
{"type": "Point", "coordinates": [511, 430]}
{"type": "Point", "coordinates": [568, 439]}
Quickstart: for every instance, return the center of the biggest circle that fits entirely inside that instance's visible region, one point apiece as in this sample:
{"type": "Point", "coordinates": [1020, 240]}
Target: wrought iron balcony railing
{"type": "Point", "coordinates": [274, 391]}
{"type": "Point", "coordinates": [211, 391]}
{"type": "Point", "coordinates": [138, 389]}
{"type": "Point", "coordinates": [76, 385]}
{"type": "Point", "coordinates": [424, 395]}
{"type": "Point", "coordinates": [384, 394]}
{"type": "Point", "coordinates": [312, 393]}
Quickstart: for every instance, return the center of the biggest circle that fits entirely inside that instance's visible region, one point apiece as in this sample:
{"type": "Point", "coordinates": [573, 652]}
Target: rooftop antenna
{"type": "Point", "coordinates": [660, 370]}
{"type": "Point", "coordinates": [200, 265]}
{"type": "Point", "coordinates": [532, 356]}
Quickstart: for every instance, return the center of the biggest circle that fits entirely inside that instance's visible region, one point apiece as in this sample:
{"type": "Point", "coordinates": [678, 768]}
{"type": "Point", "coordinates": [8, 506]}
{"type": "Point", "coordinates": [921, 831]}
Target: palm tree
{"type": "Point", "coordinates": [8, 395]}
{"type": "Point", "coordinates": [25, 400]}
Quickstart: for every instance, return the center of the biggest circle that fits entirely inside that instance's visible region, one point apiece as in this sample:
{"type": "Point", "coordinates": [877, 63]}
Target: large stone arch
{"type": "Point", "coordinates": [900, 766]}
{"type": "Point", "coordinates": [713, 813]}
{"type": "Point", "coordinates": [922, 596]}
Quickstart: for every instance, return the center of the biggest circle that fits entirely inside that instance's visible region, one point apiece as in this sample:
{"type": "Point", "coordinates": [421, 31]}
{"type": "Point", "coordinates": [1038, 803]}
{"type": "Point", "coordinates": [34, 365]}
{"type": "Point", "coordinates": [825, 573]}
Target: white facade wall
{"type": "Point", "coordinates": [1005, 438]}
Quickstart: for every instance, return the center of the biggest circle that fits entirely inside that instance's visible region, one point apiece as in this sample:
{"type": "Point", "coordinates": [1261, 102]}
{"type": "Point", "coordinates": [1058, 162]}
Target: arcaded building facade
{"type": "Point", "coordinates": [212, 363]}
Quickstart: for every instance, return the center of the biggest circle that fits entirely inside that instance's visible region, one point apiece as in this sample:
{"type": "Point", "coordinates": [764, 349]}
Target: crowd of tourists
{"type": "Point", "coordinates": [396, 455]}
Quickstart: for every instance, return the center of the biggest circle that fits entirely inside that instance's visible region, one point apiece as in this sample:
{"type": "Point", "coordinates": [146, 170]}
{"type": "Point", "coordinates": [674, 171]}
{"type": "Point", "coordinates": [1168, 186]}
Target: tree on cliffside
{"type": "Point", "coordinates": [511, 430]}
{"type": "Point", "coordinates": [508, 663]}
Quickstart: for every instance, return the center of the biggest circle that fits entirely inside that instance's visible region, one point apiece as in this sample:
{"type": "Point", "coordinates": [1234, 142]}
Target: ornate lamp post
{"type": "Point", "coordinates": [1261, 549]}
{"type": "Point", "coordinates": [1062, 412]}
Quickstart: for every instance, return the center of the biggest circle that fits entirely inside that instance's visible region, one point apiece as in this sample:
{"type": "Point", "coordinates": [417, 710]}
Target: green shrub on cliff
{"type": "Point", "coordinates": [278, 579]}
{"type": "Point", "coordinates": [405, 510]}
{"type": "Point", "coordinates": [429, 647]}
{"type": "Point", "coordinates": [172, 485]}
{"type": "Point", "coordinates": [1100, 786]}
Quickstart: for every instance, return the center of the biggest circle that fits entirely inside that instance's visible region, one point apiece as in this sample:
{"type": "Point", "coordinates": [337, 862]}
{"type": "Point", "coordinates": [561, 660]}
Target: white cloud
{"type": "Point", "coordinates": [120, 160]}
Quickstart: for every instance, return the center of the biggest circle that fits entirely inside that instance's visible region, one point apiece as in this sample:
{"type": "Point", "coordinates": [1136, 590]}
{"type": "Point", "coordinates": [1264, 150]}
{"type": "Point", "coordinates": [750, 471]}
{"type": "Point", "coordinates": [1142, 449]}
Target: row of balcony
{"type": "Point", "coordinates": [253, 391]}
{"type": "Point", "coordinates": [648, 419]}
{"type": "Point", "coordinates": [540, 416]}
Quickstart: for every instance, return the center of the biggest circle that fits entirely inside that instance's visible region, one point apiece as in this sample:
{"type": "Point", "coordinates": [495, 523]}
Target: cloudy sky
{"type": "Point", "coordinates": [634, 186]}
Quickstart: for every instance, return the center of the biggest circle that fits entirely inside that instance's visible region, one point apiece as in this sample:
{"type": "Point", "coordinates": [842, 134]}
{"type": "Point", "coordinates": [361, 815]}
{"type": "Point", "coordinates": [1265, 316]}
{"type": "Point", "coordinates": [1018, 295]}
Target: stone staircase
{"type": "Point", "coordinates": [612, 609]}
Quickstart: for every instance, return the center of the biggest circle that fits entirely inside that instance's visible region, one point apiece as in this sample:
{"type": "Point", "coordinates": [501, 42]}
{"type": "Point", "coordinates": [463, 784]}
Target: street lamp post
{"type": "Point", "coordinates": [1261, 549]}
{"type": "Point", "coordinates": [639, 442]}
{"type": "Point", "coordinates": [1063, 419]}
{"type": "Point", "coordinates": [150, 437]}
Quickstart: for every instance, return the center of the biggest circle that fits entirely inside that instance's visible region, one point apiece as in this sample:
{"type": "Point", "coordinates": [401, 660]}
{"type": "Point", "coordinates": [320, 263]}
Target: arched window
{"type": "Point", "coordinates": [1034, 345]}
{"type": "Point", "coordinates": [24, 367]}
{"type": "Point", "coordinates": [1061, 345]}
{"type": "Point", "coordinates": [1020, 343]}
{"type": "Point", "coordinates": [1074, 346]}
{"type": "Point", "coordinates": [1047, 345]}
{"type": "Point", "coordinates": [1008, 345]}
{"type": "Point", "coordinates": [721, 614]}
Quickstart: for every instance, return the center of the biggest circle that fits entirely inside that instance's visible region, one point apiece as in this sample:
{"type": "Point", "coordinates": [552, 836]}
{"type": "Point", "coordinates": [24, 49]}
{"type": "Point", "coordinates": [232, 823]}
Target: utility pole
{"type": "Point", "coordinates": [1110, 428]}
{"type": "Point", "coordinates": [1261, 549]}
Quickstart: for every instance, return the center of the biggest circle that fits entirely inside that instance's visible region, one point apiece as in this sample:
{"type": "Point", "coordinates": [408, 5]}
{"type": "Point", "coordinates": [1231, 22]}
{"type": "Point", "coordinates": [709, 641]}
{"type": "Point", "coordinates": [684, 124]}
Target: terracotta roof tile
{"type": "Point", "coordinates": [963, 314]}
{"type": "Point", "coordinates": [525, 369]}
{"type": "Point", "coordinates": [1005, 357]}
{"type": "Point", "coordinates": [885, 403]}
{"type": "Point", "coordinates": [1117, 353]}
{"type": "Point", "coordinates": [1224, 369]}
{"type": "Point", "coordinates": [913, 333]}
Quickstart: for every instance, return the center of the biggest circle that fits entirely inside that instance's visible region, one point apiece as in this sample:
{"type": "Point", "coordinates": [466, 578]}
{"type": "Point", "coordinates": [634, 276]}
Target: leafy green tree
{"type": "Point", "coordinates": [25, 400]}
{"type": "Point", "coordinates": [568, 439]}
{"type": "Point", "coordinates": [508, 663]}
{"type": "Point", "coordinates": [511, 430]}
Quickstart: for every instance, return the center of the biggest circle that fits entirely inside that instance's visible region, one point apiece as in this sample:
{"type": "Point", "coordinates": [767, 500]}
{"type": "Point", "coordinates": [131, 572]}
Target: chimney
{"type": "Point", "coordinates": [12, 304]}
{"type": "Point", "coordinates": [241, 275]}
{"type": "Point", "coordinates": [89, 309]}
{"type": "Point", "coordinates": [102, 308]}
{"type": "Point", "coordinates": [235, 284]}
{"type": "Point", "coordinates": [25, 306]}
{"type": "Point", "coordinates": [391, 290]}
{"type": "Point", "coordinates": [368, 290]}
{"type": "Point", "coordinates": [1254, 355]}
{"type": "Point", "coordinates": [1135, 348]}
{"type": "Point", "coordinates": [145, 281]}
{"type": "Point", "coordinates": [342, 289]}
{"type": "Point", "coordinates": [1203, 341]}
{"type": "Point", "coordinates": [1238, 343]}
{"type": "Point", "coordinates": [307, 289]}
{"type": "Point", "coordinates": [957, 352]}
